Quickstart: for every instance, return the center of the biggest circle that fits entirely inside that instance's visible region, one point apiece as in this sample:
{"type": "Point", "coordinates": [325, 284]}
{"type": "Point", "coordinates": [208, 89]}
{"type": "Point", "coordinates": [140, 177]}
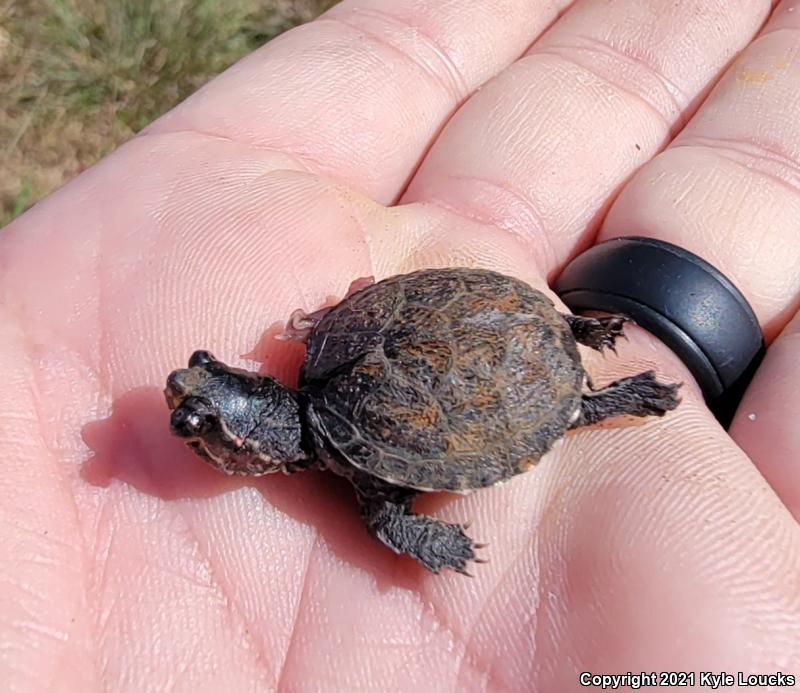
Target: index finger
{"type": "Point", "coordinates": [360, 93]}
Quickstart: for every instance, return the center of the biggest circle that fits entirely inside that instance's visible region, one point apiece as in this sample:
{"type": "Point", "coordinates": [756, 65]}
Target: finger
{"type": "Point", "coordinates": [728, 188]}
{"type": "Point", "coordinates": [766, 426]}
{"type": "Point", "coordinates": [360, 93]}
{"type": "Point", "coordinates": [539, 151]}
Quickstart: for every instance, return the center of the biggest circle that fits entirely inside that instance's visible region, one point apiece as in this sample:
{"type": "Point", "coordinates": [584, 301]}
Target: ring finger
{"type": "Point", "coordinates": [728, 188]}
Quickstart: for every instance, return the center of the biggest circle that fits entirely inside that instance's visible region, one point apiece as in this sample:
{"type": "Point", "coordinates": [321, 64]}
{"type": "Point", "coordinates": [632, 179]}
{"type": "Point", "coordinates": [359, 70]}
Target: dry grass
{"type": "Point", "coordinates": [78, 77]}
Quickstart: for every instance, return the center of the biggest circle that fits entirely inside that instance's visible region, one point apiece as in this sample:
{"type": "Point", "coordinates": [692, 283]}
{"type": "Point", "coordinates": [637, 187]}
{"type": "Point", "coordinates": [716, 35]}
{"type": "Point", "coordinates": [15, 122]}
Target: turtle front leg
{"type": "Point", "coordinates": [301, 324]}
{"type": "Point", "coordinates": [597, 333]}
{"type": "Point", "coordinates": [638, 395]}
{"type": "Point", "coordinates": [435, 544]}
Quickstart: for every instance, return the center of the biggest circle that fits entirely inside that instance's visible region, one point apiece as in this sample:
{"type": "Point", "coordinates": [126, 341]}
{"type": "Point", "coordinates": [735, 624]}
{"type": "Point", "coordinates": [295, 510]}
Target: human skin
{"type": "Point", "coordinates": [360, 144]}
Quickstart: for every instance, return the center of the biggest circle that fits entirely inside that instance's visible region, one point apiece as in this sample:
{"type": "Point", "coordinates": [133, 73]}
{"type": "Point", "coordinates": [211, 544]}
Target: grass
{"type": "Point", "coordinates": [78, 77]}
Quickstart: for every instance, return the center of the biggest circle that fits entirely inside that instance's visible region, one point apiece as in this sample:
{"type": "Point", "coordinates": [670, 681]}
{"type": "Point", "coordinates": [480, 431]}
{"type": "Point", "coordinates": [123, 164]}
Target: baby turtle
{"type": "Point", "coordinates": [438, 380]}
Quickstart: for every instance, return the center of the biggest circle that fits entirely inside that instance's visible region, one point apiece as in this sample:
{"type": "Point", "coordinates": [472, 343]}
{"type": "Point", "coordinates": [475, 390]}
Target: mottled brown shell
{"type": "Point", "coordinates": [448, 379]}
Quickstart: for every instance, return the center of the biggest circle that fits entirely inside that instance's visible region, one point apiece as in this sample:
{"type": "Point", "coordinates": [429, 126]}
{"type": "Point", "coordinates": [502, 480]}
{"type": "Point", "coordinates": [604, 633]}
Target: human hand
{"type": "Point", "coordinates": [129, 565]}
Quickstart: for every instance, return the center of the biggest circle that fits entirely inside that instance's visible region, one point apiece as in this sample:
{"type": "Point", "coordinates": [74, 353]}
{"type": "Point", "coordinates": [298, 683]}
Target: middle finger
{"type": "Point", "coordinates": [620, 75]}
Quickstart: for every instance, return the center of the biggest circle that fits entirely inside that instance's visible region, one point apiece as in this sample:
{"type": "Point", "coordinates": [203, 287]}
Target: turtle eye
{"type": "Point", "coordinates": [200, 358]}
{"type": "Point", "coordinates": [192, 419]}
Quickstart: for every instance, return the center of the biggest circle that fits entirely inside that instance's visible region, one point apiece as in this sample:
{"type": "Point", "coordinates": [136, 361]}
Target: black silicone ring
{"type": "Point", "coordinates": [681, 299]}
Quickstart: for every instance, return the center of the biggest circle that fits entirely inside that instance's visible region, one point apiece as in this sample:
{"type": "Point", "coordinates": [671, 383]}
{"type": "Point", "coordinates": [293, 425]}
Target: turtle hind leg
{"type": "Point", "coordinates": [638, 395]}
{"type": "Point", "coordinates": [435, 544]}
{"type": "Point", "coordinates": [301, 324]}
{"type": "Point", "coordinates": [597, 333]}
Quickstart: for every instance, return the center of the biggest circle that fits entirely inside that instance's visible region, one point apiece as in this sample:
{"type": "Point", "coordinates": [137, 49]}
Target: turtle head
{"type": "Point", "coordinates": [239, 422]}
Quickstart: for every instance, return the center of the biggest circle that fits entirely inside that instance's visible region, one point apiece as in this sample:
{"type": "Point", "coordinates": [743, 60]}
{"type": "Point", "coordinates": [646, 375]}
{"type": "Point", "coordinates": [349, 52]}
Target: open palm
{"type": "Point", "coordinates": [386, 137]}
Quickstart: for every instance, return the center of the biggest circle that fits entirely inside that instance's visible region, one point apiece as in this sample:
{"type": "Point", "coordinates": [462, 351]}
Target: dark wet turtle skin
{"type": "Point", "coordinates": [443, 379]}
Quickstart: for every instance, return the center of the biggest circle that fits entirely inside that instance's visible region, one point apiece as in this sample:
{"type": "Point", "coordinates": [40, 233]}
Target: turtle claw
{"type": "Point", "coordinates": [358, 284]}
{"type": "Point", "coordinates": [453, 550]}
{"type": "Point", "coordinates": [597, 333]}
{"type": "Point", "coordinates": [301, 324]}
{"type": "Point", "coordinates": [461, 568]}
